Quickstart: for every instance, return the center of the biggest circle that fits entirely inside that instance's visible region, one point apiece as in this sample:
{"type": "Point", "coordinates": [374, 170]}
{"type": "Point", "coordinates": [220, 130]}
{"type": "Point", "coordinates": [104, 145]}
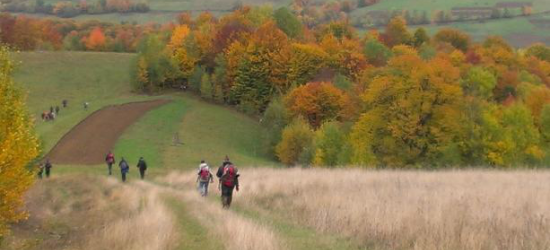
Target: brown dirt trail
{"type": "Point", "coordinates": [88, 142]}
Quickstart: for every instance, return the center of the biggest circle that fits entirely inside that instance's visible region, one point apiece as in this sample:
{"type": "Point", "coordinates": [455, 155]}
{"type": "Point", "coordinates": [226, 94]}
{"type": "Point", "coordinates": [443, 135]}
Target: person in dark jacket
{"type": "Point", "coordinates": [48, 166]}
{"type": "Point", "coordinates": [142, 165]}
{"type": "Point", "coordinates": [110, 160]}
{"type": "Point", "coordinates": [57, 110]}
{"type": "Point", "coordinates": [228, 176]}
{"type": "Point", "coordinates": [124, 168]}
{"type": "Point", "coordinates": [64, 102]}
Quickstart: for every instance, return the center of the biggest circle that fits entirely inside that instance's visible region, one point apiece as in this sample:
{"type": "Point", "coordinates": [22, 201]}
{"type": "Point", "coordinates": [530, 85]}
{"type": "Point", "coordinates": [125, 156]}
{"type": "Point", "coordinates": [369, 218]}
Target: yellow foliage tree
{"type": "Point", "coordinates": [18, 146]}
{"type": "Point", "coordinates": [178, 36]}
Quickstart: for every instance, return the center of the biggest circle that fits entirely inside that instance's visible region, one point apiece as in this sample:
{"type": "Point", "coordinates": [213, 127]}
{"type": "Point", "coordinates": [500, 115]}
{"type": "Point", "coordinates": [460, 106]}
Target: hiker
{"type": "Point", "coordinates": [44, 115]}
{"type": "Point", "coordinates": [86, 104]}
{"type": "Point", "coordinates": [57, 110]}
{"type": "Point", "coordinates": [51, 109]}
{"type": "Point", "coordinates": [51, 116]}
{"type": "Point", "coordinates": [142, 165]}
{"type": "Point", "coordinates": [124, 168]}
{"type": "Point", "coordinates": [64, 103]}
{"type": "Point", "coordinates": [110, 160]}
{"type": "Point", "coordinates": [228, 176]}
{"type": "Point", "coordinates": [40, 170]}
{"type": "Point", "coordinates": [48, 166]}
{"type": "Point", "coordinates": [204, 178]}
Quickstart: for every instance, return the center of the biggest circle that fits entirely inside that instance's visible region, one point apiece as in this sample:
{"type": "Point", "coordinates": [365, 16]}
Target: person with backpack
{"type": "Point", "coordinates": [142, 165]}
{"type": "Point", "coordinates": [110, 160]}
{"type": "Point", "coordinates": [228, 176]}
{"type": "Point", "coordinates": [48, 166]}
{"type": "Point", "coordinates": [204, 178]}
{"type": "Point", "coordinates": [124, 168]}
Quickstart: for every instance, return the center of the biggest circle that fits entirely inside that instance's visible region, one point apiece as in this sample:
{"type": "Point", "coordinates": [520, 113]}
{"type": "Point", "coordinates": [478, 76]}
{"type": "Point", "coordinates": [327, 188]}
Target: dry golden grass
{"type": "Point", "coordinates": [84, 212]}
{"type": "Point", "coordinates": [144, 224]}
{"type": "Point", "coordinates": [410, 210]}
{"type": "Point", "coordinates": [237, 232]}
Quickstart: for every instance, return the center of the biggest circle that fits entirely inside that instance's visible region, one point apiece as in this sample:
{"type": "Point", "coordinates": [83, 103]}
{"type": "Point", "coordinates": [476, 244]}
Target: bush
{"type": "Point", "coordinates": [296, 139]}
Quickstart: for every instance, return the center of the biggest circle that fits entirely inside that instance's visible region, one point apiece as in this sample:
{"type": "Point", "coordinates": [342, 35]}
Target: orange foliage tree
{"type": "Point", "coordinates": [96, 40]}
{"type": "Point", "coordinates": [317, 102]}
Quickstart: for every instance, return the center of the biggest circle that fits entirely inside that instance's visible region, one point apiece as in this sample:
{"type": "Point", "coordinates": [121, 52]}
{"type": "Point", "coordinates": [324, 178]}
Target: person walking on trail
{"type": "Point", "coordinates": [57, 110]}
{"type": "Point", "coordinates": [51, 109]}
{"type": "Point", "coordinates": [228, 176]}
{"type": "Point", "coordinates": [40, 170]}
{"type": "Point", "coordinates": [48, 166]}
{"type": "Point", "coordinates": [64, 103]}
{"type": "Point", "coordinates": [142, 165]}
{"type": "Point", "coordinates": [204, 178]}
{"type": "Point", "coordinates": [124, 168]}
{"type": "Point", "coordinates": [110, 160]}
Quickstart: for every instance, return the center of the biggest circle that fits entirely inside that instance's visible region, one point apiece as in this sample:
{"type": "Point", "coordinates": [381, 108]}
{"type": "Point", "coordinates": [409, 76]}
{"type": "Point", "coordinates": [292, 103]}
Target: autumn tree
{"type": "Point", "coordinates": [456, 38]}
{"type": "Point", "coordinates": [317, 102]}
{"type": "Point", "coordinates": [396, 32]}
{"type": "Point", "coordinates": [539, 51]}
{"type": "Point", "coordinates": [19, 146]}
{"type": "Point", "coordinates": [296, 141]}
{"type": "Point", "coordinates": [305, 62]}
{"type": "Point", "coordinates": [96, 40]}
{"type": "Point", "coordinates": [410, 113]}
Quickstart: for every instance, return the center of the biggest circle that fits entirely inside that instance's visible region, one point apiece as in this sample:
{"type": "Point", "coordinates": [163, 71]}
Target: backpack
{"type": "Point", "coordinates": [111, 158]}
{"type": "Point", "coordinates": [228, 176]}
{"type": "Point", "coordinates": [204, 174]}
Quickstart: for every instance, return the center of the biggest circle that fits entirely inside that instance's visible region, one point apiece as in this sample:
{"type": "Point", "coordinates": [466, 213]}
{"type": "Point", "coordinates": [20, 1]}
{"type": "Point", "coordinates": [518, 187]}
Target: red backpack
{"type": "Point", "coordinates": [229, 176]}
{"type": "Point", "coordinates": [204, 174]}
{"type": "Point", "coordinates": [111, 158]}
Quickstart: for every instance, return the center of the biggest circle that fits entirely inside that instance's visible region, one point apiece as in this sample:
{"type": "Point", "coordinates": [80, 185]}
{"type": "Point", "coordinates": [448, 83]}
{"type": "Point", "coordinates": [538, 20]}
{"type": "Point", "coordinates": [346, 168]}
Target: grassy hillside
{"type": "Point", "coordinates": [49, 77]}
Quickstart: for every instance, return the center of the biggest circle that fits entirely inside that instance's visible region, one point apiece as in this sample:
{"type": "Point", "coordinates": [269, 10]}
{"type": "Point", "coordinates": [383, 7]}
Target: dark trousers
{"type": "Point", "coordinates": [40, 174]}
{"type": "Point", "coordinates": [142, 173]}
{"type": "Point", "coordinates": [227, 196]}
{"type": "Point", "coordinates": [47, 172]}
{"type": "Point", "coordinates": [123, 176]}
{"type": "Point", "coordinates": [110, 167]}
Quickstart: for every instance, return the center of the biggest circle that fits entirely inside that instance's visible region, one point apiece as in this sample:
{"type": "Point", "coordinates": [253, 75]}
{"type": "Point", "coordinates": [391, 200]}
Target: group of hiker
{"type": "Point", "coordinates": [124, 166]}
{"type": "Point", "coordinates": [51, 114]}
{"type": "Point", "coordinates": [45, 167]}
{"type": "Point", "coordinates": [228, 180]}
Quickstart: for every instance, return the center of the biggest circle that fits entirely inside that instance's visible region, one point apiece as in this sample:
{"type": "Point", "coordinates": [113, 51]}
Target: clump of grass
{"type": "Point", "coordinates": [410, 210]}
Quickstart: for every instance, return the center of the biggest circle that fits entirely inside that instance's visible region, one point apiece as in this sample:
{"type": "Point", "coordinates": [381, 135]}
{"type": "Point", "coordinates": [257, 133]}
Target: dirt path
{"type": "Point", "coordinates": [88, 142]}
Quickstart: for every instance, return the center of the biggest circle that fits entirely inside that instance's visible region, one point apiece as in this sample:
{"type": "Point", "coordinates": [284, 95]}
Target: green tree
{"type": "Point", "coordinates": [206, 87]}
{"type": "Point", "coordinates": [297, 139]}
{"type": "Point", "coordinates": [479, 82]}
{"type": "Point", "coordinates": [18, 144]}
{"type": "Point", "coordinates": [420, 37]}
{"type": "Point", "coordinates": [377, 53]}
{"type": "Point", "coordinates": [288, 22]}
{"type": "Point", "coordinates": [545, 125]}
{"type": "Point", "coordinates": [329, 140]}
{"type": "Point", "coordinates": [274, 120]}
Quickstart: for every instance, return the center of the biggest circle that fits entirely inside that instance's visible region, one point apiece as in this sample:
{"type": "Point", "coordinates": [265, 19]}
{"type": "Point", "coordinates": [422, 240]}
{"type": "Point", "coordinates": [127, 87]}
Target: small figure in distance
{"type": "Point", "coordinates": [57, 110]}
{"type": "Point", "coordinates": [48, 166]}
{"type": "Point", "coordinates": [86, 104]}
{"type": "Point", "coordinates": [44, 116]}
{"type": "Point", "coordinates": [51, 109]}
{"type": "Point", "coordinates": [40, 170]}
{"type": "Point", "coordinates": [124, 168]}
{"type": "Point", "coordinates": [142, 165]}
{"type": "Point", "coordinates": [204, 177]}
{"type": "Point", "coordinates": [110, 160]}
{"type": "Point", "coordinates": [228, 176]}
{"type": "Point", "coordinates": [64, 103]}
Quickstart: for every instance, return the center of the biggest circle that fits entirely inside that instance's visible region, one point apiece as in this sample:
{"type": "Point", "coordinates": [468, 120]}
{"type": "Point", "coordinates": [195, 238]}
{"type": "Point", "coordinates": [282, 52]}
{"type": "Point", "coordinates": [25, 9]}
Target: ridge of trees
{"type": "Point", "coordinates": [391, 98]}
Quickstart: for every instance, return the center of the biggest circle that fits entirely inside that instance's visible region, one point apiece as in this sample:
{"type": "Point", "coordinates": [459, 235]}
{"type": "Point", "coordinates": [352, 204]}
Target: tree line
{"type": "Point", "coordinates": [67, 9]}
{"type": "Point", "coordinates": [328, 96]}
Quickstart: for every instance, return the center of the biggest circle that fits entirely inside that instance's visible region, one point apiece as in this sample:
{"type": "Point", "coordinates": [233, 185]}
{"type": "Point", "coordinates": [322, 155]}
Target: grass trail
{"type": "Point", "coordinates": [192, 235]}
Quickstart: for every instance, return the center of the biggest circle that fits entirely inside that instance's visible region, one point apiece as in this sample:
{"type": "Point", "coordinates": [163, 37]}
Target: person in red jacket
{"type": "Point", "coordinates": [110, 160]}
